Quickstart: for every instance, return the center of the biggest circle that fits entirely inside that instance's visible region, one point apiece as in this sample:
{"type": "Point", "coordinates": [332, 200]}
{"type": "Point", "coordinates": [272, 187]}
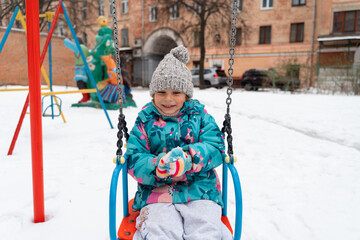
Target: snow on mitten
{"type": "Point", "coordinates": [175, 163]}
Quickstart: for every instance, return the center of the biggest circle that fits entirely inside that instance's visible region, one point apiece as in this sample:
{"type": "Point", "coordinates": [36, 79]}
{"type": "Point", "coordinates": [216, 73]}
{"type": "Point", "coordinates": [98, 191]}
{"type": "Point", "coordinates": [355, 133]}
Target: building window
{"type": "Point", "coordinates": [266, 4]}
{"type": "Point", "coordinates": [239, 5]}
{"type": "Point", "coordinates": [101, 8]}
{"type": "Point", "coordinates": [348, 21]}
{"type": "Point", "coordinates": [174, 11]}
{"type": "Point", "coordinates": [84, 38]}
{"type": "Point", "coordinates": [124, 37]}
{"type": "Point", "coordinates": [110, 7]}
{"type": "Point", "coordinates": [217, 38]}
{"type": "Point", "coordinates": [84, 11]}
{"type": "Point", "coordinates": [265, 35]}
{"type": "Point", "coordinates": [196, 38]}
{"type": "Point", "coordinates": [293, 72]}
{"type": "Point", "coordinates": [61, 28]}
{"type": "Point", "coordinates": [297, 32]}
{"type": "Point", "coordinates": [153, 13]}
{"type": "Point", "coordinates": [197, 9]}
{"type": "Point", "coordinates": [124, 6]}
{"type": "Point", "coordinates": [238, 36]}
{"type": "Point", "coordinates": [298, 2]}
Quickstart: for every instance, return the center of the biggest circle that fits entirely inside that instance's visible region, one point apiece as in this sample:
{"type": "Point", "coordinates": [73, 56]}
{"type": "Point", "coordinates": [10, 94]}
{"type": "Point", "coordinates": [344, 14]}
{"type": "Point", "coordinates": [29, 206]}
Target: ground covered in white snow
{"type": "Point", "coordinates": [298, 160]}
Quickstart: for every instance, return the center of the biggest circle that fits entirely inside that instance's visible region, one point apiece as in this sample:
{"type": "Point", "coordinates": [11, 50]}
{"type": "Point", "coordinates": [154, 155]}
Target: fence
{"type": "Point", "coordinates": [338, 79]}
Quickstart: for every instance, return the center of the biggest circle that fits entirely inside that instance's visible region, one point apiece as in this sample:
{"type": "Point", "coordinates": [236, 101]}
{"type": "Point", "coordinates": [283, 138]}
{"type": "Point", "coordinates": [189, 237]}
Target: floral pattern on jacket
{"type": "Point", "coordinates": [153, 136]}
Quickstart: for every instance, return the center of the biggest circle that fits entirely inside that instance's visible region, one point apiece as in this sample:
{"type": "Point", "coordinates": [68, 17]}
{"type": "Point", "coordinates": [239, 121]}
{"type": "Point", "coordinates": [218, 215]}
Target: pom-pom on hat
{"type": "Point", "coordinates": [172, 73]}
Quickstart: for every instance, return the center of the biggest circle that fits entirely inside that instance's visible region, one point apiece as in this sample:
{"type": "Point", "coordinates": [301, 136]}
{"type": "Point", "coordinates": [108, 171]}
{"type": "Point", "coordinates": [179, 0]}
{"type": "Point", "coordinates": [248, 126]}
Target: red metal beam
{"type": "Point", "coordinates": [33, 48]}
{"type": "Point", "coordinates": [26, 104]}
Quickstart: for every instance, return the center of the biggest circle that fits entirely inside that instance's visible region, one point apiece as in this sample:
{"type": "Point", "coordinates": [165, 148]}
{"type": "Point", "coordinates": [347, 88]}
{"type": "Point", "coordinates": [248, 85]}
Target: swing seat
{"type": "Point", "coordinates": [127, 227]}
{"type": "Point", "coordinates": [53, 103]}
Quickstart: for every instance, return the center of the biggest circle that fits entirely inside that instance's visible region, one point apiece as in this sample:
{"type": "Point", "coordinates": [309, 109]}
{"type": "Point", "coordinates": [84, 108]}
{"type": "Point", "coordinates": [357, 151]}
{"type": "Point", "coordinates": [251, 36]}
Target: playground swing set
{"type": "Point", "coordinates": [55, 101]}
{"type": "Point", "coordinates": [127, 227]}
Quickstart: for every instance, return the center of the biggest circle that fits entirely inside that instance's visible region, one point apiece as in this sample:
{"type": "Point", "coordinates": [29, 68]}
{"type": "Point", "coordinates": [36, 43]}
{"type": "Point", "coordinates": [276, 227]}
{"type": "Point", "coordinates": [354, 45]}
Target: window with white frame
{"type": "Point", "coordinates": [153, 13]}
{"type": "Point", "coordinates": [124, 6]}
{"type": "Point", "coordinates": [266, 4]}
{"type": "Point", "coordinates": [124, 37]}
{"type": "Point", "coordinates": [239, 5]}
{"type": "Point", "coordinates": [101, 8]}
{"type": "Point", "coordinates": [174, 11]}
{"type": "Point", "coordinates": [298, 2]}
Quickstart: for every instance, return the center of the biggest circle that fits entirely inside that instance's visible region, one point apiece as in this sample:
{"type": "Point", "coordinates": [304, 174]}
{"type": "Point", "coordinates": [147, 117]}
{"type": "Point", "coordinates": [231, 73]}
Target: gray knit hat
{"type": "Point", "coordinates": [172, 73]}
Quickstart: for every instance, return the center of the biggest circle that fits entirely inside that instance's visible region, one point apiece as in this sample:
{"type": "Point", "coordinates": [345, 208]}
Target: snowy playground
{"type": "Point", "coordinates": [298, 161]}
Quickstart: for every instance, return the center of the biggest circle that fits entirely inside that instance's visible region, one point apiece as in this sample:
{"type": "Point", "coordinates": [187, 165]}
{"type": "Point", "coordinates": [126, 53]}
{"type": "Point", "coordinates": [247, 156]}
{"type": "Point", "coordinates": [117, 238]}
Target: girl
{"type": "Point", "coordinates": [173, 151]}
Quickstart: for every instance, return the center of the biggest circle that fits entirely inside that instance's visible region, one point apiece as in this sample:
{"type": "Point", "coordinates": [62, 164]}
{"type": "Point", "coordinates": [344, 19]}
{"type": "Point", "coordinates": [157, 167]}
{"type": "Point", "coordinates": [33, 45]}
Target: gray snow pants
{"type": "Point", "coordinates": [194, 220]}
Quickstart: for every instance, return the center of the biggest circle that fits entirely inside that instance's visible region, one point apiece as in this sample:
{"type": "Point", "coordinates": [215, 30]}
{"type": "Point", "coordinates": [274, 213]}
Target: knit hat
{"type": "Point", "coordinates": [172, 73]}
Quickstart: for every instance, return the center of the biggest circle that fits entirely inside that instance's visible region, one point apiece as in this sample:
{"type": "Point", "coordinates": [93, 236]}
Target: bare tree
{"type": "Point", "coordinates": [210, 15]}
{"type": "Point", "coordinates": [77, 11]}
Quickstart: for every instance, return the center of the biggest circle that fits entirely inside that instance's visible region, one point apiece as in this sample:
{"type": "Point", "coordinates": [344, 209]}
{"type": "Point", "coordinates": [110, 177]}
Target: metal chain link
{"type": "Point", "coordinates": [122, 123]}
{"type": "Point", "coordinates": [227, 122]}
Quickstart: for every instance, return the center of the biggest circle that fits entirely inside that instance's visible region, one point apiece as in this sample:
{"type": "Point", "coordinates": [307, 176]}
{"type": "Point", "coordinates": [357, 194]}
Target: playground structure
{"type": "Point", "coordinates": [33, 98]}
{"type": "Point", "coordinates": [55, 101]}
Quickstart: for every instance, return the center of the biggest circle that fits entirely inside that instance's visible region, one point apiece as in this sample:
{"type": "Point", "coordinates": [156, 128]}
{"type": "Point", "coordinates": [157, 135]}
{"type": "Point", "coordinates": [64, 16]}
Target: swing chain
{"type": "Point", "coordinates": [117, 54]}
{"type": "Point", "coordinates": [227, 122]}
{"type": "Point", "coordinates": [122, 123]}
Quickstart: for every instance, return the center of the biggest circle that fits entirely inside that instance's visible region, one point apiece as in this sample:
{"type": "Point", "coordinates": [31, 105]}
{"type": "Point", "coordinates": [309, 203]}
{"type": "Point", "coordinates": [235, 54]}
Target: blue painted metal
{"type": "Point", "coordinates": [2, 44]}
{"type": "Point", "coordinates": [50, 75]}
{"type": "Point", "coordinates": [112, 198]}
{"type": "Point", "coordinates": [112, 202]}
{"type": "Point", "coordinates": [238, 200]}
{"type": "Point", "coordinates": [125, 189]}
{"type": "Point", "coordinates": [224, 189]}
{"type": "Point", "coordinates": [84, 60]}
{"type": "Point", "coordinates": [51, 105]}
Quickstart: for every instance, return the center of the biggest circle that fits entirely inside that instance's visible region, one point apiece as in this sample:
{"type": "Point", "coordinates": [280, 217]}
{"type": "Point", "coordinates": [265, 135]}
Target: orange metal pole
{"type": "Point", "coordinates": [33, 47]}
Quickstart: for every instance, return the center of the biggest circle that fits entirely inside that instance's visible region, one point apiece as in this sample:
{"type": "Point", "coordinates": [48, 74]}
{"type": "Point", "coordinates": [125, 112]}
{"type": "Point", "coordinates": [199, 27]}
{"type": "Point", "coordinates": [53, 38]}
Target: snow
{"type": "Point", "coordinates": [298, 161]}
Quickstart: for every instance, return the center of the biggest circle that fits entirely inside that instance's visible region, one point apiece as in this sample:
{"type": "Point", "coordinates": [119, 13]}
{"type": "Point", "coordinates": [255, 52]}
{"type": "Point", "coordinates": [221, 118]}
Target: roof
{"type": "Point", "coordinates": [336, 38]}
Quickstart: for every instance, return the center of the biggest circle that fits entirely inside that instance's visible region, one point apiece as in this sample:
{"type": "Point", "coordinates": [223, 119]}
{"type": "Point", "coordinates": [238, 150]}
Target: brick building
{"type": "Point", "coordinates": [270, 34]}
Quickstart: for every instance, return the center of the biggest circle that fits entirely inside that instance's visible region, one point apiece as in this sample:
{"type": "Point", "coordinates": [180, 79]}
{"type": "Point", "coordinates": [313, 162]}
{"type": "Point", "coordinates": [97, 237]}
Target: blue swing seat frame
{"type": "Point", "coordinates": [123, 167]}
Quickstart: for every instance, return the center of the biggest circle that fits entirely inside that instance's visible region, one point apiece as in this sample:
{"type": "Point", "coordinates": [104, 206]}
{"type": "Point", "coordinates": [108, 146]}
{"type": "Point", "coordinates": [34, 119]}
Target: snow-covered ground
{"type": "Point", "coordinates": [298, 160]}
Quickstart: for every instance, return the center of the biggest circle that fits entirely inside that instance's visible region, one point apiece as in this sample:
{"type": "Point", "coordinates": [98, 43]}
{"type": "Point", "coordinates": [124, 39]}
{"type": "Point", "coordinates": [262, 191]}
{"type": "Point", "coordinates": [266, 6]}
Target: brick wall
{"type": "Point", "coordinates": [13, 60]}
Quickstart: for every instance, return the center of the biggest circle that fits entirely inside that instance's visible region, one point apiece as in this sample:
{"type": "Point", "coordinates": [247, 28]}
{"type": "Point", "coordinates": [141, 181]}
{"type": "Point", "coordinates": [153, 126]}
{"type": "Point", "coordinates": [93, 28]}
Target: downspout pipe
{"type": "Point", "coordinates": [308, 81]}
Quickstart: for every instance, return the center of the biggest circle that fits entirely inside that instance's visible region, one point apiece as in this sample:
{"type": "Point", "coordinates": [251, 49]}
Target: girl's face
{"type": "Point", "coordinates": [169, 101]}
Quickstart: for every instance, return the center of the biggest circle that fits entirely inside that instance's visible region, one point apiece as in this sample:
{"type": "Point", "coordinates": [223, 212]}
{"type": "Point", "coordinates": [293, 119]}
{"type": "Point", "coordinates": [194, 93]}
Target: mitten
{"type": "Point", "coordinates": [175, 163]}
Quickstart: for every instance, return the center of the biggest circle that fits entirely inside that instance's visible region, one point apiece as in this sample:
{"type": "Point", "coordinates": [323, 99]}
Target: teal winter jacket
{"type": "Point", "coordinates": [153, 136]}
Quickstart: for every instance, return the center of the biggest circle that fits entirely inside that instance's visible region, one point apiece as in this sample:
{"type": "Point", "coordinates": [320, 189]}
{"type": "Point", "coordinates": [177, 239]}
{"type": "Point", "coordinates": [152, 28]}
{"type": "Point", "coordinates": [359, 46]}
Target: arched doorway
{"type": "Point", "coordinates": [156, 46]}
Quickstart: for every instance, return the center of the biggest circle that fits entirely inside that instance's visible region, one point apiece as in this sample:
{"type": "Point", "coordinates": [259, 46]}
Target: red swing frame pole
{"type": "Point", "coordinates": [33, 48]}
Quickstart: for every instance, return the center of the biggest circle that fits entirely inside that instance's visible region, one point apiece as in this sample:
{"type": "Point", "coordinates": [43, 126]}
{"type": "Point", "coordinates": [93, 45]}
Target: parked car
{"type": "Point", "coordinates": [213, 77]}
{"type": "Point", "coordinates": [254, 79]}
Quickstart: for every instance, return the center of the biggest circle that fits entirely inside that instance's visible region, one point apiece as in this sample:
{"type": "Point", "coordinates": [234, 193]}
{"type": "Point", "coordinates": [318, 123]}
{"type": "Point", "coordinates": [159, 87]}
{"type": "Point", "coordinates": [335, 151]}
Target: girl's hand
{"type": "Point", "coordinates": [175, 163]}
